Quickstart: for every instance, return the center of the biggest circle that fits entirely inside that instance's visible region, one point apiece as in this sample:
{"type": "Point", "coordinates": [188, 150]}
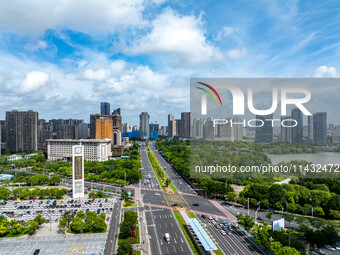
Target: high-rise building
{"type": "Point", "coordinates": [209, 129]}
{"type": "Point", "coordinates": [171, 126]}
{"type": "Point", "coordinates": [2, 134]}
{"type": "Point", "coordinates": [225, 132]}
{"type": "Point", "coordinates": [320, 128]}
{"type": "Point", "coordinates": [144, 119]}
{"type": "Point", "coordinates": [45, 131]}
{"type": "Point", "coordinates": [105, 108]}
{"type": "Point", "coordinates": [135, 128]}
{"type": "Point", "coordinates": [116, 112]}
{"type": "Point", "coordinates": [297, 131]}
{"type": "Point", "coordinates": [67, 132]}
{"type": "Point", "coordinates": [57, 122]}
{"type": "Point", "coordinates": [286, 132]}
{"type": "Point", "coordinates": [198, 128]}
{"type": "Point", "coordinates": [126, 128]}
{"type": "Point", "coordinates": [336, 136]}
{"type": "Point", "coordinates": [186, 125]}
{"type": "Point", "coordinates": [179, 128]}
{"type": "Point", "coordinates": [154, 127]}
{"type": "Point", "coordinates": [237, 129]}
{"type": "Point", "coordinates": [83, 131]}
{"type": "Point", "coordinates": [117, 137]}
{"type": "Point", "coordinates": [310, 128]}
{"type": "Point", "coordinates": [101, 126]}
{"type": "Point", "coordinates": [264, 133]}
{"type": "Point", "coordinates": [22, 130]}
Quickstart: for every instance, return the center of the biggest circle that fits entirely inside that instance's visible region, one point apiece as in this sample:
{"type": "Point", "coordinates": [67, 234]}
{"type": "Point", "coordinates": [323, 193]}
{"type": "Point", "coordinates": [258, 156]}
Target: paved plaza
{"type": "Point", "coordinates": [69, 244]}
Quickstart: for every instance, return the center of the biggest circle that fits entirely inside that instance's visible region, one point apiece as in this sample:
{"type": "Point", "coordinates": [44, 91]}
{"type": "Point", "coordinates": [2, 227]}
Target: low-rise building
{"type": "Point", "coordinates": [14, 157]}
{"type": "Point", "coordinates": [94, 149]}
{"type": "Point", "coordinates": [28, 156]}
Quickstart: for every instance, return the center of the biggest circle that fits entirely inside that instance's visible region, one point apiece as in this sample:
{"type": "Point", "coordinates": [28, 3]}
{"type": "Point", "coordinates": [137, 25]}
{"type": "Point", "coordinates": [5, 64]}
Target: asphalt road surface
{"type": "Point", "coordinates": [112, 237]}
{"type": "Point", "coordinates": [237, 243]}
{"type": "Point", "coordinates": [180, 184]}
{"type": "Point", "coordinates": [160, 221]}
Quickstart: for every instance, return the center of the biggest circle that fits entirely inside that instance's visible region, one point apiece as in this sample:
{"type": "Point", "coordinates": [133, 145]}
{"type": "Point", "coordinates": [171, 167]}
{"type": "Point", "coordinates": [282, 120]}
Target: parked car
{"type": "Point", "coordinates": [259, 218]}
{"type": "Point", "coordinates": [329, 247]}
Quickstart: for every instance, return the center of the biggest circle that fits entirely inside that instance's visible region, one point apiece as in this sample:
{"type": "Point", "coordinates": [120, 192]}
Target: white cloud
{"type": "Point", "coordinates": [90, 16]}
{"type": "Point", "coordinates": [179, 36]}
{"type": "Point", "coordinates": [34, 80]}
{"type": "Point", "coordinates": [237, 53]}
{"type": "Point", "coordinates": [37, 46]}
{"type": "Point", "coordinates": [325, 71]}
{"type": "Point", "coordinates": [98, 75]}
{"type": "Point", "coordinates": [159, 2]}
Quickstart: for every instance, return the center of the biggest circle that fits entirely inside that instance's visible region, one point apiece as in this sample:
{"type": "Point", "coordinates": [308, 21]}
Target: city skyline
{"type": "Point", "coordinates": [74, 64]}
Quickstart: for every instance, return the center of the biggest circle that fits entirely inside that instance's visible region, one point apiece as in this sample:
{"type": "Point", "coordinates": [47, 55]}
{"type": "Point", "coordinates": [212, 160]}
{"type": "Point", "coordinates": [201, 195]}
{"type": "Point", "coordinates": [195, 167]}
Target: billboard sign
{"type": "Point", "coordinates": [278, 224]}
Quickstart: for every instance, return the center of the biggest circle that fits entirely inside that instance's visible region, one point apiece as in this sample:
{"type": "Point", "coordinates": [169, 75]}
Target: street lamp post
{"type": "Point", "coordinates": [248, 204]}
{"type": "Point", "coordinates": [258, 208]}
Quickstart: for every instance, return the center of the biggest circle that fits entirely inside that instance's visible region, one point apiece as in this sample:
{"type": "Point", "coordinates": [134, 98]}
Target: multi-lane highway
{"type": "Point", "coordinates": [160, 220]}
{"type": "Point", "coordinates": [235, 243]}
{"type": "Point", "coordinates": [180, 184]}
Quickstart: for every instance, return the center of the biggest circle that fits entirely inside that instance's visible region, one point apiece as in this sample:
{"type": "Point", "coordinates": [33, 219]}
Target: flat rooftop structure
{"type": "Point", "coordinates": [79, 140]}
{"type": "Point", "coordinates": [4, 177]}
{"type": "Point", "coordinates": [202, 235]}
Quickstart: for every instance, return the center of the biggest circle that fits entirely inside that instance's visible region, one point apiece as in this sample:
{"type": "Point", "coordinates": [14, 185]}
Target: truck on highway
{"type": "Point", "coordinates": [167, 237]}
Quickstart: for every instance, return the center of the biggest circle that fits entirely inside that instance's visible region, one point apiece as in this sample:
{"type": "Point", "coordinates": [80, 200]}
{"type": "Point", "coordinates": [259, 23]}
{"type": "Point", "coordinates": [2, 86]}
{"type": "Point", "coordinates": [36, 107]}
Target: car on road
{"type": "Point", "coordinates": [228, 233]}
{"type": "Point", "coordinates": [157, 194]}
{"type": "Point", "coordinates": [36, 252]}
{"type": "Point", "coordinates": [167, 237]}
{"type": "Point", "coordinates": [196, 204]}
{"type": "Point", "coordinates": [329, 247]}
{"type": "Point", "coordinates": [337, 247]}
{"type": "Point", "coordinates": [259, 218]}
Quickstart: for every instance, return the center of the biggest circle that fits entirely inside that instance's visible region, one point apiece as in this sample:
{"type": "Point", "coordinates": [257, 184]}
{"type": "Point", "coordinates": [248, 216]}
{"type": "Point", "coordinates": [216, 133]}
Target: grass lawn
{"type": "Point", "coordinates": [130, 203]}
{"type": "Point", "coordinates": [191, 214]}
{"type": "Point", "coordinates": [181, 224]}
{"type": "Point", "coordinates": [154, 163]}
{"type": "Point", "coordinates": [136, 253]}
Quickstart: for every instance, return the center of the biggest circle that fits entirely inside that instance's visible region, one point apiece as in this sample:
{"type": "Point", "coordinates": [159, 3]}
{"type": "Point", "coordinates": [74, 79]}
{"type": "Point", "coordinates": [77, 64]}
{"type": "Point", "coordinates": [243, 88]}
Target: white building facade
{"type": "Point", "coordinates": [94, 149]}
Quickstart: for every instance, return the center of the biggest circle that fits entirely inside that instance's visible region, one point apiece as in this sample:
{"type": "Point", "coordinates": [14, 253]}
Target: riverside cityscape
{"type": "Point", "coordinates": [123, 130]}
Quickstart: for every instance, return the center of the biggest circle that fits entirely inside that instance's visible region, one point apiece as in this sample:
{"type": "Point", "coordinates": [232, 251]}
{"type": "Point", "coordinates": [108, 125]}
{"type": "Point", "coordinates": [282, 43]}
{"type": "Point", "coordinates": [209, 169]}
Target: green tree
{"type": "Point", "coordinates": [77, 225]}
{"type": "Point", "coordinates": [39, 219]}
{"type": "Point", "coordinates": [62, 223]}
{"type": "Point", "coordinates": [32, 226]}
{"type": "Point", "coordinates": [125, 195]}
{"type": "Point", "coordinates": [231, 196]}
{"type": "Point", "coordinates": [99, 225]}
{"type": "Point", "coordinates": [269, 215]}
{"type": "Point", "coordinates": [124, 249]}
{"type": "Point", "coordinates": [54, 180]}
{"type": "Point", "coordinates": [247, 221]}
{"type": "Point", "coordinates": [288, 217]}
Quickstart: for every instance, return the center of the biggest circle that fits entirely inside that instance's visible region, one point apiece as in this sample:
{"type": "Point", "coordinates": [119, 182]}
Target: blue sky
{"type": "Point", "coordinates": [62, 58]}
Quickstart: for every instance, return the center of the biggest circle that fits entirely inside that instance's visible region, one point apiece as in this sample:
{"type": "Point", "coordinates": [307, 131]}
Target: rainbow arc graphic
{"type": "Point", "coordinates": [209, 93]}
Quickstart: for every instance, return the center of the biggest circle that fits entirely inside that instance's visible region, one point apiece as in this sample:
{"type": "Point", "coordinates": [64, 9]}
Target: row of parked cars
{"type": "Point", "coordinates": [51, 210]}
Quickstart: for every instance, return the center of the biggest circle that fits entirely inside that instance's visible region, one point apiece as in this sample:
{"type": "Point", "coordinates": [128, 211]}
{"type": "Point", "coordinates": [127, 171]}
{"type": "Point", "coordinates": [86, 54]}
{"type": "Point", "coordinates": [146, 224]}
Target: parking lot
{"type": "Point", "coordinates": [70, 244]}
{"type": "Point", "coordinates": [53, 209]}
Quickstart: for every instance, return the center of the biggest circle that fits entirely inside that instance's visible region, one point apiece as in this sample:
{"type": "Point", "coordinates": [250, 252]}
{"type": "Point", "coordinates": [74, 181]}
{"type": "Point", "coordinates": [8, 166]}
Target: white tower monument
{"type": "Point", "coordinates": [78, 171]}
